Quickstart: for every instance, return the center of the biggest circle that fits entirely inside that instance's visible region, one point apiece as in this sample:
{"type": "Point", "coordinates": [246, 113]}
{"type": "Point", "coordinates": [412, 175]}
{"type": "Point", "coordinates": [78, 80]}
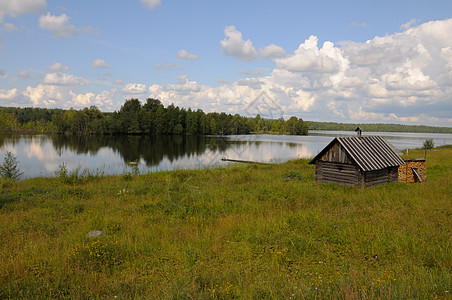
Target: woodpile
{"type": "Point", "coordinates": [413, 170]}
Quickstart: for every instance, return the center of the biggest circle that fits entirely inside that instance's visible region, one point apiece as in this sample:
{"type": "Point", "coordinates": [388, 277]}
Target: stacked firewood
{"type": "Point", "coordinates": [406, 173]}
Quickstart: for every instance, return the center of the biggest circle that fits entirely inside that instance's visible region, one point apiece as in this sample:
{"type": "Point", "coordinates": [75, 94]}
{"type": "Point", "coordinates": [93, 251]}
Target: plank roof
{"type": "Point", "coordinates": [370, 153]}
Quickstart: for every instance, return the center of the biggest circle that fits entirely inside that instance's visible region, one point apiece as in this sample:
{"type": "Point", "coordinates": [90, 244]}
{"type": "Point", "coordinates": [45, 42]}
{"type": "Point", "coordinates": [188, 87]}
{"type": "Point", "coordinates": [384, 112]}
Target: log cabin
{"type": "Point", "coordinates": [357, 161]}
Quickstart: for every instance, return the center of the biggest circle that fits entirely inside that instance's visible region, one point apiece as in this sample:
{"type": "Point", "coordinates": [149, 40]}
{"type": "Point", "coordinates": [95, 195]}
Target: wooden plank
{"type": "Point", "coordinates": [418, 174]}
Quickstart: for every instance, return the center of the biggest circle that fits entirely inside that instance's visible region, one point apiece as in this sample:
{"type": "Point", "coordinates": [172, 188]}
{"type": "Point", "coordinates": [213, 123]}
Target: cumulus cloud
{"type": "Point", "coordinates": [151, 4]}
{"type": "Point", "coordinates": [186, 55]}
{"type": "Point", "coordinates": [57, 67]}
{"type": "Point", "coordinates": [103, 100]}
{"type": "Point", "coordinates": [309, 58]}
{"type": "Point", "coordinates": [167, 67]}
{"type": "Point", "coordinates": [99, 63]}
{"type": "Point", "coordinates": [16, 8]}
{"type": "Point", "coordinates": [63, 79]}
{"type": "Point", "coordinates": [134, 89]}
{"type": "Point", "coordinates": [272, 51]}
{"type": "Point", "coordinates": [235, 46]}
{"type": "Point", "coordinates": [43, 94]}
{"type": "Point", "coordinates": [58, 25]}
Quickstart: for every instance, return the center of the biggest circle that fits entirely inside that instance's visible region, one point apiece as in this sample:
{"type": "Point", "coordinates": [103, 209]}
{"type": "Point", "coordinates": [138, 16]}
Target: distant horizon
{"type": "Point", "coordinates": [386, 62]}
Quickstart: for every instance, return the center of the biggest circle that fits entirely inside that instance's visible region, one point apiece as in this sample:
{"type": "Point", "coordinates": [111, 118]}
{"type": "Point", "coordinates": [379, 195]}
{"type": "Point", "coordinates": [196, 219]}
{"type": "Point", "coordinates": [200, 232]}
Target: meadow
{"type": "Point", "coordinates": [241, 232]}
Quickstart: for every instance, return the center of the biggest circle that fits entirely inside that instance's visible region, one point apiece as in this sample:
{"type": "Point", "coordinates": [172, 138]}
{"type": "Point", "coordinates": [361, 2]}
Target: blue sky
{"type": "Point", "coordinates": [343, 61]}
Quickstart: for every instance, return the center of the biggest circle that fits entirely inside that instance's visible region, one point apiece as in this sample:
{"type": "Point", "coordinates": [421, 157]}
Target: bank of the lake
{"type": "Point", "coordinates": [245, 231]}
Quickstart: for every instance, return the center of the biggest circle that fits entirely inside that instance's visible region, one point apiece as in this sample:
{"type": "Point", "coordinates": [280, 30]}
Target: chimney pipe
{"type": "Point", "coordinates": [359, 131]}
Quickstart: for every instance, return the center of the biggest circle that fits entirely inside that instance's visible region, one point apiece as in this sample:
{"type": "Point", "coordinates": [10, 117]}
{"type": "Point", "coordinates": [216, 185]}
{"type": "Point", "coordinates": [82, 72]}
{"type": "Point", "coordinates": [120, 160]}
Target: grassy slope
{"type": "Point", "coordinates": [240, 232]}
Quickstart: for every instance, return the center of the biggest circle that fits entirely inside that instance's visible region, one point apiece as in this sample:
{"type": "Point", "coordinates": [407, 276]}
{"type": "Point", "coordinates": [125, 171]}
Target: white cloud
{"type": "Point", "coordinates": [272, 51]}
{"type": "Point", "coordinates": [186, 55]}
{"type": "Point", "coordinates": [104, 100]}
{"type": "Point", "coordinates": [24, 74]}
{"type": "Point", "coordinates": [235, 46]}
{"type": "Point", "coordinates": [309, 58]}
{"type": "Point", "coordinates": [167, 67]}
{"type": "Point", "coordinates": [63, 79]}
{"type": "Point", "coordinates": [46, 95]}
{"type": "Point", "coordinates": [57, 67]}
{"type": "Point", "coordinates": [99, 63]}
{"type": "Point", "coordinates": [58, 25]}
{"type": "Point", "coordinates": [16, 8]}
{"type": "Point", "coordinates": [134, 89]}
{"type": "Point", "coordinates": [8, 94]}
{"type": "Point", "coordinates": [151, 4]}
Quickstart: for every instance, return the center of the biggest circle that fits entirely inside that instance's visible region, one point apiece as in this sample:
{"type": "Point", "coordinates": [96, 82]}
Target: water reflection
{"type": "Point", "coordinates": [41, 155]}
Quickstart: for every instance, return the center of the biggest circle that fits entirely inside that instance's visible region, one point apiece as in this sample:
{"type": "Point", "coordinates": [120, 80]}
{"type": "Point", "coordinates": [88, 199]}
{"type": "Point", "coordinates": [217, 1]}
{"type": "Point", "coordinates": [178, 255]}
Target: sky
{"type": "Point", "coordinates": [335, 61]}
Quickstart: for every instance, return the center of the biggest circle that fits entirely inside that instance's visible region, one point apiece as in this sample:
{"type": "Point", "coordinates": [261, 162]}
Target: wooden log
{"type": "Point", "coordinates": [243, 161]}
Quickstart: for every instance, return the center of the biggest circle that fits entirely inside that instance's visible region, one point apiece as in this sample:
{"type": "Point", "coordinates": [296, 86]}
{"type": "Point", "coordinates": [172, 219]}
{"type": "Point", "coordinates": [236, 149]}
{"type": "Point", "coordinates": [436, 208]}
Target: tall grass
{"type": "Point", "coordinates": [262, 232]}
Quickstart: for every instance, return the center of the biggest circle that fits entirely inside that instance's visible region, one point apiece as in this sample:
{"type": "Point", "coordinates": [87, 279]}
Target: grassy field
{"type": "Point", "coordinates": [248, 232]}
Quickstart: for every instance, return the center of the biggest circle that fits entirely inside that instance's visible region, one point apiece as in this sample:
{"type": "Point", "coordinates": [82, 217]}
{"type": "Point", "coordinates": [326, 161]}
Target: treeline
{"type": "Point", "coordinates": [27, 120]}
{"type": "Point", "coordinates": [377, 127]}
{"type": "Point", "coordinates": [152, 118]}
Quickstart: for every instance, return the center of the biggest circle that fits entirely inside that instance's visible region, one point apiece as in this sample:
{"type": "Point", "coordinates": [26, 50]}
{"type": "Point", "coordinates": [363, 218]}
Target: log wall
{"type": "Point", "coordinates": [381, 176]}
{"type": "Point", "coordinates": [337, 173]}
{"type": "Point", "coordinates": [406, 173]}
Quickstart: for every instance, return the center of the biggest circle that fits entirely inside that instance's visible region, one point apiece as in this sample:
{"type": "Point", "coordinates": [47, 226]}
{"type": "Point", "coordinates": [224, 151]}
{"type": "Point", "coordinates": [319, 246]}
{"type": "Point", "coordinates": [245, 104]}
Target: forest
{"type": "Point", "coordinates": [377, 127]}
{"type": "Point", "coordinates": [152, 118]}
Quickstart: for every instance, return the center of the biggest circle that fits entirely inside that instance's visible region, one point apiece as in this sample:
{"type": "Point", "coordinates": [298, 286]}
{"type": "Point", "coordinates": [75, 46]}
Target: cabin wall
{"type": "Point", "coordinates": [337, 173]}
{"type": "Point", "coordinates": [406, 173]}
{"type": "Point", "coordinates": [382, 176]}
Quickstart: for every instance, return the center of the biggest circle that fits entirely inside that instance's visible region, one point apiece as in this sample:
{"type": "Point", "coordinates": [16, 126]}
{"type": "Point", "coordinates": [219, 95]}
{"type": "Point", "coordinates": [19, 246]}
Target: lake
{"type": "Point", "coordinates": [41, 155]}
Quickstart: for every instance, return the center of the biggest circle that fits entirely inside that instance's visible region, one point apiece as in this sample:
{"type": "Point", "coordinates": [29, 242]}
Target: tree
{"type": "Point", "coordinates": [9, 168]}
{"type": "Point", "coordinates": [428, 144]}
{"type": "Point", "coordinates": [129, 116]}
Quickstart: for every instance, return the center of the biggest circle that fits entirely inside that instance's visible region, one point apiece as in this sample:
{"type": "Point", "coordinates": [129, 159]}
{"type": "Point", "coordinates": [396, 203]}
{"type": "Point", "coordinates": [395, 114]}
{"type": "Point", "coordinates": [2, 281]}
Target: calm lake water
{"type": "Point", "coordinates": [41, 155]}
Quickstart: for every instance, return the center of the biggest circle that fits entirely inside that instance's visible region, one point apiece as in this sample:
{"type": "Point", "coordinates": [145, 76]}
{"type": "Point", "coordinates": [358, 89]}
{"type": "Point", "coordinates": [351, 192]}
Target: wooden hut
{"type": "Point", "coordinates": [357, 161]}
{"type": "Point", "coordinates": [413, 170]}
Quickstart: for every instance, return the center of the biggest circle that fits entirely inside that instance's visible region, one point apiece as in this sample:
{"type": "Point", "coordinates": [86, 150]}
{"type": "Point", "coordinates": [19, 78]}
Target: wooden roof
{"type": "Point", "coordinates": [369, 153]}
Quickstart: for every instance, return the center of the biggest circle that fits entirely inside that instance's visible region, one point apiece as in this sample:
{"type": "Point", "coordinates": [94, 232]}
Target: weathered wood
{"type": "Point", "coordinates": [418, 175]}
{"type": "Point", "coordinates": [364, 161]}
{"type": "Point", "coordinates": [243, 161]}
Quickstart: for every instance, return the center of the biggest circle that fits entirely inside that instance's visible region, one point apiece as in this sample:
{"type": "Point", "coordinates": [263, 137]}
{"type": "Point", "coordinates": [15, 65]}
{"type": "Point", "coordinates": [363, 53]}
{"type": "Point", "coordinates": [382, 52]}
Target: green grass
{"type": "Point", "coordinates": [248, 232]}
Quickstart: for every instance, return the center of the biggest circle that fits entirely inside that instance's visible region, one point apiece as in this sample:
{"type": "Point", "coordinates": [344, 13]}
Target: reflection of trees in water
{"type": "Point", "coordinates": [131, 148]}
{"type": "Point", "coordinates": [152, 149]}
